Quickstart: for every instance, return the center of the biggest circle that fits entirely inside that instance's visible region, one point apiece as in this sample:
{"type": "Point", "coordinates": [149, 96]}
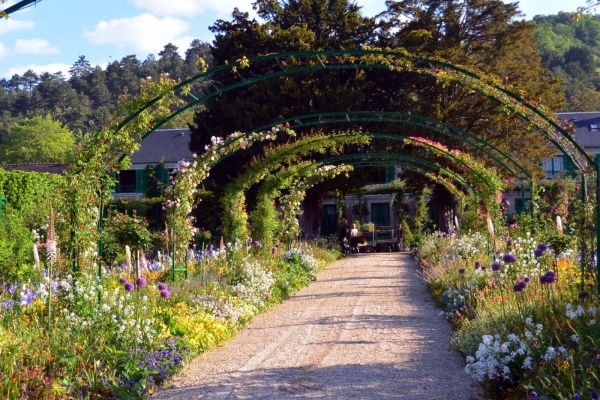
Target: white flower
{"type": "Point", "coordinates": [575, 338]}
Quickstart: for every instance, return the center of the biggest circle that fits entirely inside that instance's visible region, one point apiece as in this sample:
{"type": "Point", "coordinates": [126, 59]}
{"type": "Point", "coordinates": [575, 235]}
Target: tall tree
{"type": "Point", "coordinates": [37, 140]}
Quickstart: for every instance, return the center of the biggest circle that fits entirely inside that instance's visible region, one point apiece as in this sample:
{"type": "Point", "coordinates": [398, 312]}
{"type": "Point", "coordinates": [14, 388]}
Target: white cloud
{"type": "Point", "coordinates": [189, 8]}
{"type": "Point", "coordinates": [38, 69]}
{"type": "Point", "coordinates": [10, 25]}
{"type": "Point", "coordinates": [34, 46]}
{"type": "Point", "coordinates": [3, 50]}
{"type": "Point", "coordinates": [144, 33]}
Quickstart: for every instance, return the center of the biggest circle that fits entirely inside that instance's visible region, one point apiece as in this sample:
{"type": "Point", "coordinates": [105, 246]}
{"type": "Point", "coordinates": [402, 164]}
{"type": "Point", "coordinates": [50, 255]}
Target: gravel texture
{"type": "Point", "coordinates": [366, 329]}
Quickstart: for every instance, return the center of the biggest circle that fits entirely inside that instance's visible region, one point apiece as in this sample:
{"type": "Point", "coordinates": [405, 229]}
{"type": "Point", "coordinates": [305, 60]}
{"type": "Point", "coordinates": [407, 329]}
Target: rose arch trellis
{"type": "Point", "coordinates": [328, 168]}
{"type": "Point", "coordinates": [229, 77]}
{"type": "Point", "coordinates": [234, 198]}
{"type": "Point", "coordinates": [262, 168]}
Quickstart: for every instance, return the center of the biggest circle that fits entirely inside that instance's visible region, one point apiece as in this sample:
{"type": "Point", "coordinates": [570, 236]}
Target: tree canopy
{"type": "Point", "coordinates": [37, 140]}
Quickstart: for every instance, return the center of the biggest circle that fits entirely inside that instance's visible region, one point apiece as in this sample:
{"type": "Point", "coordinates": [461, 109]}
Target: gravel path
{"type": "Point", "coordinates": [366, 329]}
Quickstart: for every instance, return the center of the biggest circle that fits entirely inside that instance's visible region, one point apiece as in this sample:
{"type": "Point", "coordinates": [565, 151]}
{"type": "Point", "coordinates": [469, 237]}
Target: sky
{"type": "Point", "coordinates": [50, 35]}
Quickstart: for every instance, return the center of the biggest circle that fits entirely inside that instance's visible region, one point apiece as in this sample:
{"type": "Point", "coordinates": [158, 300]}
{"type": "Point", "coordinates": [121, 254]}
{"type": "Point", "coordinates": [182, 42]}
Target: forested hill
{"type": "Point", "coordinates": [83, 100]}
{"type": "Point", "coordinates": [571, 49]}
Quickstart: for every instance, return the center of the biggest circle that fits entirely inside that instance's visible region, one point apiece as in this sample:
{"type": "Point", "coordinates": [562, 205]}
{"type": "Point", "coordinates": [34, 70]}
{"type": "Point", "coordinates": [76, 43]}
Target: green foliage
{"type": "Point", "coordinates": [16, 243]}
{"type": "Point", "coordinates": [37, 140]}
{"type": "Point", "coordinates": [407, 236]}
{"type": "Point", "coordinates": [30, 193]}
{"type": "Point", "coordinates": [128, 230]}
{"type": "Point", "coordinates": [570, 47]}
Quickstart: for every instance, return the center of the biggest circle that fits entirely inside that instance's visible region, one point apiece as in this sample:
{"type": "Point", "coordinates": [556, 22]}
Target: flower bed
{"type": "Point", "coordinates": [526, 317]}
{"type": "Point", "coordinates": [120, 337]}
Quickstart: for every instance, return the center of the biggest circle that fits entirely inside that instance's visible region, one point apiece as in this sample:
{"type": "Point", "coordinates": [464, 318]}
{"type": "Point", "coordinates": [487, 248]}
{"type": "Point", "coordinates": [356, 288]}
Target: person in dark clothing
{"type": "Point", "coordinates": [343, 236]}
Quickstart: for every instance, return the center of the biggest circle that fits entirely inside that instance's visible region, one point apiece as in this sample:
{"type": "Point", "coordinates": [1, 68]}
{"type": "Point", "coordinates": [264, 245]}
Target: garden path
{"type": "Point", "coordinates": [366, 329]}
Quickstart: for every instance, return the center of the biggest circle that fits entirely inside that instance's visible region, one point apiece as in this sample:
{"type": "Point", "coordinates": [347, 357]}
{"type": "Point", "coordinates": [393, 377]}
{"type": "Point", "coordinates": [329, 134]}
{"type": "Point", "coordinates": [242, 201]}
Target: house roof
{"type": "Point", "coordinates": [169, 145]}
{"type": "Point", "coordinates": [587, 128]}
{"type": "Point", "coordinates": [49, 168]}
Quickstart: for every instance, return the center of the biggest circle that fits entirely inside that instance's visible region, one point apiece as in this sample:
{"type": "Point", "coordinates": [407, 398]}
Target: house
{"type": "Point", "coordinates": [587, 135]}
{"type": "Point", "coordinates": [167, 145]}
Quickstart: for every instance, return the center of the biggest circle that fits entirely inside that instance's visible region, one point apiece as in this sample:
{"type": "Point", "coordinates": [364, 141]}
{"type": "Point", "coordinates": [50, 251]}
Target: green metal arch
{"type": "Point", "coordinates": [559, 137]}
{"type": "Point", "coordinates": [402, 118]}
{"type": "Point", "coordinates": [437, 167]}
{"type": "Point", "coordinates": [395, 158]}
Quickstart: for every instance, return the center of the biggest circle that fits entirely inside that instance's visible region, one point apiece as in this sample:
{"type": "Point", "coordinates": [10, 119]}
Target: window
{"type": "Point", "coordinates": [380, 214]}
{"type": "Point", "coordinates": [126, 181]}
{"type": "Point", "coordinates": [594, 126]}
{"type": "Point", "coordinates": [554, 166]}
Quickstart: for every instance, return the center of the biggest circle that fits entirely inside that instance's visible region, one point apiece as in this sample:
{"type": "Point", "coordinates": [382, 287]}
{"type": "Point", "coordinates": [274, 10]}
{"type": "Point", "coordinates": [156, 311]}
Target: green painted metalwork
{"type": "Point", "coordinates": [19, 6]}
{"type": "Point", "coordinates": [559, 137]}
{"type": "Point", "coordinates": [402, 118]}
{"type": "Point", "coordinates": [398, 159]}
{"type": "Point", "coordinates": [348, 60]}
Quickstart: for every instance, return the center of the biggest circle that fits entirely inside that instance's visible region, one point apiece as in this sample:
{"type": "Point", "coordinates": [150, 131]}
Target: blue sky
{"type": "Point", "coordinates": [51, 35]}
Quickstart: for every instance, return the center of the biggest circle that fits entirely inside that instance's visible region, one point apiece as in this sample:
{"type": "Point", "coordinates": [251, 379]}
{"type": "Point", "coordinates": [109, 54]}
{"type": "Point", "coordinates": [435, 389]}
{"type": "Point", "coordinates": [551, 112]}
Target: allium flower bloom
{"type": "Point", "coordinates": [542, 247]}
{"type": "Point", "coordinates": [533, 394]}
{"type": "Point", "coordinates": [165, 294]}
{"type": "Point", "coordinates": [274, 249]}
{"type": "Point", "coordinates": [527, 279]}
{"type": "Point", "coordinates": [258, 244]}
{"type": "Point", "coordinates": [594, 395]}
{"type": "Point", "coordinates": [509, 258]}
{"type": "Point", "coordinates": [141, 282]}
{"type": "Point", "coordinates": [130, 287]}
{"type": "Point", "coordinates": [477, 264]}
{"type": "Point", "coordinates": [538, 253]}
{"type": "Point", "coordinates": [123, 280]}
{"type": "Point", "coordinates": [519, 286]}
{"type": "Point", "coordinates": [496, 266]}
{"type": "Point", "coordinates": [461, 271]}
{"type": "Point", "coordinates": [162, 286]}
{"type": "Point", "coordinates": [584, 294]}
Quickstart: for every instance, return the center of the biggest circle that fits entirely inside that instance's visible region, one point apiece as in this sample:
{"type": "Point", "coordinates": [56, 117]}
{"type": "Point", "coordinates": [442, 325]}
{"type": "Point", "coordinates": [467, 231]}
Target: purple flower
{"type": "Point", "coordinates": [509, 258]}
{"type": "Point", "coordinates": [543, 279]}
{"type": "Point", "coordinates": [527, 279]}
{"type": "Point", "coordinates": [477, 264]}
{"type": "Point", "coordinates": [519, 286]}
{"type": "Point", "coordinates": [130, 287]}
{"type": "Point", "coordinates": [258, 244]}
{"type": "Point", "coordinates": [141, 282]}
{"type": "Point", "coordinates": [162, 286]}
{"type": "Point", "coordinates": [496, 266]}
{"type": "Point", "coordinates": [249, 240]}
{"type": "Point", "coordinates": [483, 268]}
{"type": "Point", "coordinates": [461, 271]}
{"type": "Point", "coordinates": [550, 277]}
{"type": "Point", "coordinates": [538, 253]}
{"type": "Point", "coordinates": [123, 280]}
{"type": "Point", "coordinates": [542, 247]}
{"type": "Point", "coordinates": [533, 394]}
{"type": "Point", "coordinates": [576, 396]}
{"type": "Point", "coordinates": [584, 294]}
{"type": "Point", "coordinates": [593, 395]}
{"type": "Point", "coordinates": [165, 294]}
{"type": "Point", "coordinates": [274, 249]}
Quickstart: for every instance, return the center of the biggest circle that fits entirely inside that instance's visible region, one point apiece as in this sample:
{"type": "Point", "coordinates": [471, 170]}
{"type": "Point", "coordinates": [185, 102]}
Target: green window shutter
{"type": "Point", "coordinates": [389, 174]}
{"type": "Point", "coordinates": [569, 167]}
{"type": "Point", "coordinates": [163, 175]}
{"type": "Point", "coordinates": [140, 181]}
{"type": "Point", "coordinates": [116, 178]}
{"type": "Point", "coordinates": [519, 205]}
